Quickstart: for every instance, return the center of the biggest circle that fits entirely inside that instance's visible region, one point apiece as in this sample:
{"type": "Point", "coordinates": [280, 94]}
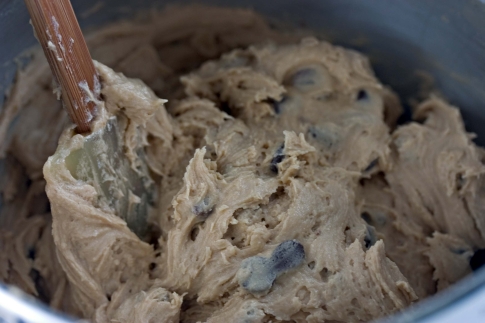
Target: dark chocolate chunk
{"type": "Point", "coordinates": [31, 253]}
{"type": "Point", "coordinates": [362, 95]}
{"type": "Point", "coordinates": [204, 208]}
{"type": "Point", "coordinates": [370, 238]}
{"type": "Point", "coordinates": [287, 255]}
{"type": "Point", "coordinates": [257, 274]}
{"type": "Point", "coordinates": [478, 259]}
{"type": "Point", "coordinates": [312, 78]}
{"type": "Point", "coordinates": [312, 132]}
{"type": "Point", "coordinates": [278, 105]}
{"type": "Point", "coordinates": [40, 285]}
{"type": "Point", "coordinates": [371, 165]}
{"type": "Point", "coordinates": [277, 158]}
{"type": "Point", "coordinates": [304, 77]}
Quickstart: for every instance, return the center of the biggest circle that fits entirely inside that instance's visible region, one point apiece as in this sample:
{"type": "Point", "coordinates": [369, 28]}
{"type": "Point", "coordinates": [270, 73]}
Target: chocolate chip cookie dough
{"type": "Point", "coordinates": [286, 191]}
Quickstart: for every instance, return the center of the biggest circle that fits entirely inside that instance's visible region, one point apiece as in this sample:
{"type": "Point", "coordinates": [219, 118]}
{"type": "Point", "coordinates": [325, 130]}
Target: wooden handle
{"type": "Point", "coordinates": [59, 34]}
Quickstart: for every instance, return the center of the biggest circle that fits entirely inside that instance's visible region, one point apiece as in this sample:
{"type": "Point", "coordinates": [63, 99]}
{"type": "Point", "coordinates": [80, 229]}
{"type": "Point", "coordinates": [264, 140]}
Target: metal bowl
{"type": "Point", "coordinates": [405, 39]}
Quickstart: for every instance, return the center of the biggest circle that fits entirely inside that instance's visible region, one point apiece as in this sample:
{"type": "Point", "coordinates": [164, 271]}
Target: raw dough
{"type": "Point", "coordinates": [286, 191]}
{"type": "Point", "coordinates": [157, 48]}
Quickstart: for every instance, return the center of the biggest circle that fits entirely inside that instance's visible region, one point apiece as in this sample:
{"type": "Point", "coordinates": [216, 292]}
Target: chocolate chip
{"type": "Point", "coordinates": [31, 253]}
{"type": "Point", "coordinates": [40, 285]}
{"type": "Point", "coordinates": [371, 165]}
{"type": "Point", "coordinates": [287, 255]}
{"type": "Point", "coordinates": [277, 158]}
{"type": "Point", "coordinates": [278, 105]}
{"type": "Point", "coordinates": [368, 242]}
{"type": "Point", "coordinates": [304, 77]}
{"type": "Point", "coordinates": [362, 95]}
{"type": "Point", "coordinates": [478, 259]}
{"type": "Point", "coordinates": [204, 208]}
{"type": "Point", "coordinates": [257, 274]}
{"type": "Point", "coordinates": [370, 238]}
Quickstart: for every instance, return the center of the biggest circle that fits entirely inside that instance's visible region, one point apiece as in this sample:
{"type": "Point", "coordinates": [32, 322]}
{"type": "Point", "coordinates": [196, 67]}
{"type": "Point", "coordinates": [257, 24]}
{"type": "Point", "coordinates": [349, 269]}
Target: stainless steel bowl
{"type": "Point", "coordinates": [404, 38]}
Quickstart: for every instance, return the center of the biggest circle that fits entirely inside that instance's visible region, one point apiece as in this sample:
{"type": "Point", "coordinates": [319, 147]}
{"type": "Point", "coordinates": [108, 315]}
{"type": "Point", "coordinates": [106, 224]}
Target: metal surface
{"type": "Point", "coordinates": [408, 41]}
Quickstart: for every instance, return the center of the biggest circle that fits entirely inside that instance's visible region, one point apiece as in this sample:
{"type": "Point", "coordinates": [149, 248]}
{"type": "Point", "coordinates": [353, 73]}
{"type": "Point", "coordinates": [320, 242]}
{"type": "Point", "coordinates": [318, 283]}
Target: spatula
{"type": "Point", "coordinates": [102, 161]}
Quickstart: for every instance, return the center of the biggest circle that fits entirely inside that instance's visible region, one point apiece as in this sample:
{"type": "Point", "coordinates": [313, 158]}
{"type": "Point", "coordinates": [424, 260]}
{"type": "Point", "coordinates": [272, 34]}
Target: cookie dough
{"type": "Point", "coordinates": [286, 190]}
{"type": "Point", "coordinates": [157, 48]}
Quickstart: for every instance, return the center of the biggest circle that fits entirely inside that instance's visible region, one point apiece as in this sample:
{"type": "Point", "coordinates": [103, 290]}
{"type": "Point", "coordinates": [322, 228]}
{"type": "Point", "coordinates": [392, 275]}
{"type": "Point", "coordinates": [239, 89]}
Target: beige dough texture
{"type": "Point", "coordinates": [286, 191]}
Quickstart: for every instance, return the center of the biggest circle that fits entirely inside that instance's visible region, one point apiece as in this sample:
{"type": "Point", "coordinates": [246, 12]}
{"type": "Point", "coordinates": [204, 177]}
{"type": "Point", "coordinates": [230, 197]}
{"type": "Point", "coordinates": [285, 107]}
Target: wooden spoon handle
{"type": "Point", "coordinates": [60, 36]}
